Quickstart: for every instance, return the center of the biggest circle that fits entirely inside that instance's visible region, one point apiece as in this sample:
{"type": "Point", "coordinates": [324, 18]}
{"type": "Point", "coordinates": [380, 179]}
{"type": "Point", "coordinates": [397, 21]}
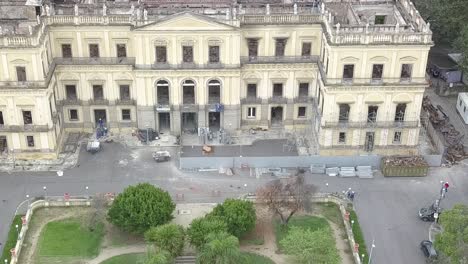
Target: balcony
{"type": "Point", "coordinates": [378, 124]}
{"type": "Point", "coordinates": [278, 59]}
{"type": "Point", "coordinates": [186, 65]}
{"type": "Point", "coordinates": [125, 102]}
{"type": "Point", "coordinates": [95, 61]}
{"type": "Point", "coordinates": [251, 100]}
{"type": "Point", "coordinates": [373, 81]}
{"type": "Point", "coordinates": [70, 102]}
{"type": "Point", "coordinates": [98, 102]}
{"type": "Point", "coordinates": [27, 84]}
{"type": "Point", "coordinates": [277, 100]}
{"type": "Point", "coordinates": [24, 128]}
{"type": "Point", "coordinates": [303, 99]}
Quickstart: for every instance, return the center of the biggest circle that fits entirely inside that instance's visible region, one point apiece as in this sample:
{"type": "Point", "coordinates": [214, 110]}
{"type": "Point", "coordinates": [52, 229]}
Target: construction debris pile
{"type": "Point", "coordinates": [453, 138]}
{"type": "Point", "coordinates": [412, 161]}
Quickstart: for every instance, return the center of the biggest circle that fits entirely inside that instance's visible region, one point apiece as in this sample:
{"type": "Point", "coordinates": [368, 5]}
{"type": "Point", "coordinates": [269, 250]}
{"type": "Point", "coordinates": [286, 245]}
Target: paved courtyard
{"type": "Point", "coordinates": [387, 207]}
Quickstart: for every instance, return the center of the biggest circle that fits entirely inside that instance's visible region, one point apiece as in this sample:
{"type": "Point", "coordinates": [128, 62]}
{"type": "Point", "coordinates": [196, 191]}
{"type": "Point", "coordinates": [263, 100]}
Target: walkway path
{"type": "Point", "coordinates": [116, 251]}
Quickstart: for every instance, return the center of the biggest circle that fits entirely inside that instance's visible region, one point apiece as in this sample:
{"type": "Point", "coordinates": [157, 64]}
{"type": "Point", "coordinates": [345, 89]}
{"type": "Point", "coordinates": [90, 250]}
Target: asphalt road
{"type": "Point", "coordinates": [387, 207]}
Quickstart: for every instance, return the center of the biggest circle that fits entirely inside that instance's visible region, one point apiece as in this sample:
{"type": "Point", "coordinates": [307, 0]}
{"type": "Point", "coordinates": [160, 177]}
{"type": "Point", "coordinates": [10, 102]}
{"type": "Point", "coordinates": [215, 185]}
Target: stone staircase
{"type": "Point", "coordinates": [190, 259]}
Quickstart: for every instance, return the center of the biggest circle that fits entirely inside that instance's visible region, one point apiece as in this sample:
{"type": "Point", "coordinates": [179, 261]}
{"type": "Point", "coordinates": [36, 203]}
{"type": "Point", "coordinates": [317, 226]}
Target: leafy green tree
{"type": "Point", "coordinates": [453, 241]}
{"type": "Point", "coordinates": [168, 237]}
{"type": "Point", "coordinates": [239, 215]}
{"type": "Point", "coordinates": [201, 227]}
{"type": "Point", "coordinates": [160, 257]}
{"type": "Point", "coordinates": [221, 248]}
{"type": "Point", "coordinates": [311, 247]}
{"type": "Point", "coordinates": [140, 207]}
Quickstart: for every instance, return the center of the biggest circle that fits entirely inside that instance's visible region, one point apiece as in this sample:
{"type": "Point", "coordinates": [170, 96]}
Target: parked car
{"type": "Point", "coordinates": [428, 249]}
{"type": "Point", "coordinates": [160, 156]}
{"type": "Point", "coordinates": [427, 214]}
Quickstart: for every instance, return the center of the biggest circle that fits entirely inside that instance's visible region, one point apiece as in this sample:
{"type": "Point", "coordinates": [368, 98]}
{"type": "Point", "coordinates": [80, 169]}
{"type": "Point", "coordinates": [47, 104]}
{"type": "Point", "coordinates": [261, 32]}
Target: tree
{"type": "Point", "coordinates": [160, 257]}
{"type": "Point", "coordinates": [310, 247]}
{"type": "Point", "coordinates": [239, 215]}
{"type": "Point", "coordinates": [453, 241]}
{"type": "Point", "coordinates": [201, 227]}
{"type": "Point", "coordinates": [140, 207]}
{"type": "Point", "coordinates": [287, 198]}
{"type": "Point", "coordinates": [168, 237]}
{"type": "Point", "coordinates": [222, 248]}
{"type": "Point", "coordinates": [448, 24]}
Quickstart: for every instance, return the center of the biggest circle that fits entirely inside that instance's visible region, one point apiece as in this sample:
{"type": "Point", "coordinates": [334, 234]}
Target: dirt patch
{"type": "Point", "coordinates": [264, 230]}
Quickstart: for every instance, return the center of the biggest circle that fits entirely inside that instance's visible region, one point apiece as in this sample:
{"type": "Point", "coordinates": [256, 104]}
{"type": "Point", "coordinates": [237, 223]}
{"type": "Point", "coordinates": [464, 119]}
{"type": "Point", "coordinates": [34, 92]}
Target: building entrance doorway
{"type": "Point", "coordinates": [369, 145]}
{"type": "Point", "coordinates": [3, 144]}
{"type": "Point", "coordinates": [189, 123]}
{"type": "Point", "coordinates": [276, 116]}
{"type": "Point", "coordinates": [164, 122]}
{"type": "Point", "coordinates": [214, 121]}
{"type": "Point", "coordinates": [100, 117]}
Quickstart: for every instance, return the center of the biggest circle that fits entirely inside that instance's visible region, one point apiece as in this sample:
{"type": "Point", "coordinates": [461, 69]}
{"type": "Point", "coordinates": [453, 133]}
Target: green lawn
{"type": "Point", "coordinates": [307, 222]}
{"type": "Point", "coordinates": [134, 258]}
{"type": "Point", "coordinates": [252, 258]}
{"type": "Point", "coordinates": [330, 211]}
{"type": "Point", "coordinates": [70, 238]}
{"type": "Point", "coordinates": [12, 238]}
{"type": "Point", "coordinates": [358, 236]}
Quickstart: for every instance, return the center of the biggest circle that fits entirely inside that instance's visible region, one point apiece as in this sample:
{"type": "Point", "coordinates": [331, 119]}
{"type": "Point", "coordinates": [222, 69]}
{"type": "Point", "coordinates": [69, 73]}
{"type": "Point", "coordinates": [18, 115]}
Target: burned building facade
{"type": "Point", "coordinates": [353, 72]}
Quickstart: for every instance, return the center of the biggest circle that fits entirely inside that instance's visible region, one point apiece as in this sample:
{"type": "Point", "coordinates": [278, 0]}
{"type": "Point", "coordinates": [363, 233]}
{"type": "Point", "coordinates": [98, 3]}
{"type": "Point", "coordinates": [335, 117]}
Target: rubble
{"type": "Point", "coordinates": [413, 161]}
{"type": "Point", "coordinates": [453, 138]}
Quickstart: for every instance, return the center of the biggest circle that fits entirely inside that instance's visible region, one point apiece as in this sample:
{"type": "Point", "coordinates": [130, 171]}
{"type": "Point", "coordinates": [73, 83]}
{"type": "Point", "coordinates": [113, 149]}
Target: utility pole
{"type": "Point", "coordinates": [443, 191]}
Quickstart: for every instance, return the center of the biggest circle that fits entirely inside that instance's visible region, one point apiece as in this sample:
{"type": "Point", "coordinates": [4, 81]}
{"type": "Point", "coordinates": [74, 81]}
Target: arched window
{"type": "Point", "coordinates": [162, 91]}
{"type": "Point", "coordinates": [188, 92]}
{"type": "Point", "coordinates": [214, 92]}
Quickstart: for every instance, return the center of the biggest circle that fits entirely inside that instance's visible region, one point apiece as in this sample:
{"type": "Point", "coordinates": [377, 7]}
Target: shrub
{"type": "Point", "coordinates": [201, 227]}
{"type": "Point", "coordinates": [239, 215]}
{"type": "Point", "coordinates": [168, 237]}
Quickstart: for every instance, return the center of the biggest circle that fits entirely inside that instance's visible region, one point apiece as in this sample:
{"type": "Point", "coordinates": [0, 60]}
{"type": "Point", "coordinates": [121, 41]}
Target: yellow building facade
{"type": "Point", "coordinates": [354, 73]}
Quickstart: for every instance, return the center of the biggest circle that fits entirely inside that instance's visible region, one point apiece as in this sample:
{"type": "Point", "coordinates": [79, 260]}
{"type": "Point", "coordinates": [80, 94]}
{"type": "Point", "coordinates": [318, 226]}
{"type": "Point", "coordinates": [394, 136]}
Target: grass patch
{"type": "Point", "coordinates": [12, 237]}
{"type": "Point", "coordinates": [307, 222]}
{"type": "Point", "coordinates": [331, 211]}
{"type": "Point", "coordinates": [252, 258]}
{"type": "Point", "coordinates": [358, 236]}
{"type": "Point", "coordinates": [133, 258]}
{"type": "Point", "coordinates": [70, 238]}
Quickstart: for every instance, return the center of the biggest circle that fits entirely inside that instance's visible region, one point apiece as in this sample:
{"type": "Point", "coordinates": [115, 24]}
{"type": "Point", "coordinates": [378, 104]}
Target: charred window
{"type": "Point", "coordinates": [94, 50]}
{"type": "Point", "coordinates": [187, 54]}
{"type": "Point", "coordinates": [162, 87]}
{"type": "Point", "coordinates": [66, 51]}
{"type": "Point", "coordinates": [377, 71]}
{"type": "Point", "coordinates": [71, 92]}
{"type": "Point", "coordinates": [303, 89]}
{"type": "Point", "coordinates": [27, 118]}
{"type": "Point", "coordinates": [121, 51]}
{"type": "Point", "coordinates": [277, 89]}
{"type": "Point", "coordinates": [342, 137]}
{"type": "Point", "coordinates": [30, 141]}
{"type": "Point", "coordinates": [348, 72]}
{"type": "Point", "coordinates": [344, 113]}
{"type": "Point", "coordinates": [73, 115]}
{"type": "Point", "coordinates": [252, 90]}
{"type": "Point", "coordinates": [306, 49]}
{"type": "Point", "coordinates": [98, 92]}
{"type": "Point", "coordinates": [397, 137]}
{"type": "Point", "coordinates": [124, 92]}
{"type": "Point", "coordinates": [161, 54]}
{"type": "Point", "coordinates": [253, 47]}
{"type": "Point", "coordinates": [400, 112]}
{"type": "Point", "coordinates": [406, 71]}
{"type": "Point", "coordinates": [280, 46]}
{"type": "Point", "coordinates": [21, 73]}
{"type": "Point", "coordinates": [301, 111]}
{"type": "Point", "coordinates": [372, 113]}
{"type": "Point", "coordinates": [213, 54]}
{"type": "Point", "coordinates": [126, 114]}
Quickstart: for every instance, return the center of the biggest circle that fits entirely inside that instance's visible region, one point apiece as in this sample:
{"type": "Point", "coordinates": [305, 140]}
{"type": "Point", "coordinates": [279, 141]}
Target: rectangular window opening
{"type": "Point", "coordinates": [348, 72]}
{"type": "Point", "coordinates": [342, 137]}
{"type": "Point", "coordinates": [406, 71]}
{"type": "Point", "coordinates": [306, 49]}
{"type": "Point", "coordinates": [400, 112]}
{"type": "Point", "coordinates": [98, 92]}
{"type": "Point", "coordinates": [187, 54]}
{"type": "Point", "coordinates": [251, 112]}
{"type": "Point", "coordinates": [70, 91]}
{"type": "Point", "coordinates": [73, 115]}
{"type": "Point", "coordinates": [121, 51]}
{"type": "Point", "coordinates": [252, 90]}
{"type": "Point", "coordinates": [30, 141]}
{"type": "Point", "coordinates": [377, 72]}
{"type": "Point", "coordinates": [253, 48]}
{"type": "Point", "coordinates": [94, 50]}
{"type": "Point", "coordinates": [66, 51]}
{"type": "Point", "coordinates": [124, 92]}
{"type": "Point", "coordinates": [397, 137]}
{"type": "Point", "coordinates": [277, 90]}
{"type": "Point", "coordinates": [372, 113]}
{"type": "Point", "coordinates": [280, 46]}
{"type": "Point", "coordinates": [344, 113]}
{"type": "Point", "coordinates": [301, 111]}
{"type": "Point", "coordinates": [161, 54]}
{"type": "Point", "coordinates": [379, 19]}
{"type": "Point", "coordinates": [27, 118]}
{"type": "Point", "coordinates": [2, 122]}
{"type": "Point", "coordinates": [21, 73]}
{"type": "Point", "coordinates": [213, 54]}
{"type": "Point", "coordinates": [303, 89]}
{"type": "Point", "coordinates": [126, 114]}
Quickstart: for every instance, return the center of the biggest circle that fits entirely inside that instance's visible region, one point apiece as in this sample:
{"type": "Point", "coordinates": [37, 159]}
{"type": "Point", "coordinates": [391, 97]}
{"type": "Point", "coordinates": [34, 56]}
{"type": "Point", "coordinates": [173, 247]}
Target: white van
{"type": "Point", "coordinates": [462, 106]}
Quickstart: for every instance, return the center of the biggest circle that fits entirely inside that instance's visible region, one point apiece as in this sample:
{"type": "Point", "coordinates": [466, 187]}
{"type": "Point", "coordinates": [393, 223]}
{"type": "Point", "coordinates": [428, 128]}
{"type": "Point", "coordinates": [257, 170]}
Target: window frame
{"type": "Point", "coordinates": [65, 56]}
{"type": "Point", "coordinates": [251, 112]}
{"type": "Point", "coordinates": [160, 48]}
{"type": "Point", "coordinates": [97, 50]}
{"type": "Point", "coordinates": [120, 92]}
{"type": "Point", "coordinates": [118, 50]}
{"type": "Point", "coordinates": [192, 57]}
{"type": "Point", "coordinates": [218, 55]}
{"type": "Point", "coordinates": [23, 116]}
{"type": "Point", "coordinates": [299, 112]}
{"type": "Point", "coordinates": [341, 138]}
{"type": "Point", "coordinates": [397, 135]}
{"type": "Point", "coordinates": [70, 115]}
{"type": "Point", "coordinates": [303, 54]}
{"type": "Point", "coordinates": [30, 141]}
{"type": "Point", "coordinates": [124, 115]}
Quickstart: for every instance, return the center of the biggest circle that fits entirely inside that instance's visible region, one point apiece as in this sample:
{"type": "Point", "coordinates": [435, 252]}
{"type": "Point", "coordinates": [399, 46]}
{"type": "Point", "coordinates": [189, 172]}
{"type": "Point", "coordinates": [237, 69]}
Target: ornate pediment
{"type": "Point", "coordinates": [186, 21]}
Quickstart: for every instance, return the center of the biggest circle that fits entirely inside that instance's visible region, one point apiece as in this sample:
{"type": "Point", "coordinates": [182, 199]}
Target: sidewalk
{"type": "Point", "coordinates": [112, 252]}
